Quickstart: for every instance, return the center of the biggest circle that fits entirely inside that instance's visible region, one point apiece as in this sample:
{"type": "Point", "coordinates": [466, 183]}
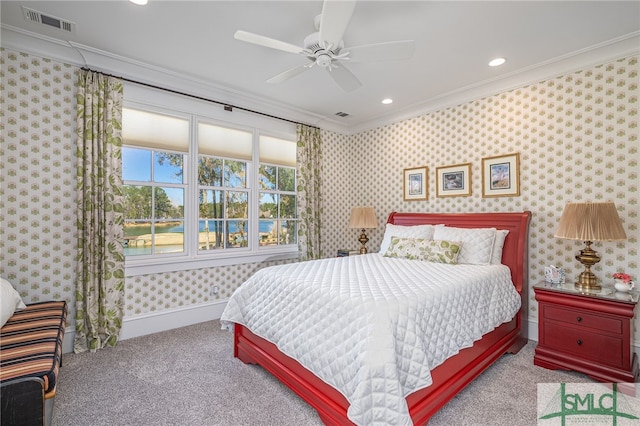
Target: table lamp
{"type": "Point", "coordinates": [363, 218]}
{"type": "Point", "coordinates": [590, 222]}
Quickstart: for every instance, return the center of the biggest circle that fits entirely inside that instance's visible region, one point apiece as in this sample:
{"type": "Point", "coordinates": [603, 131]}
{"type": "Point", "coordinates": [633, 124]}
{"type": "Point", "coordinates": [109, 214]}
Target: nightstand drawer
{"type": "Point", "coordinates": [584, 343]}
{"type": "Point", "coordinates": [583, 319]}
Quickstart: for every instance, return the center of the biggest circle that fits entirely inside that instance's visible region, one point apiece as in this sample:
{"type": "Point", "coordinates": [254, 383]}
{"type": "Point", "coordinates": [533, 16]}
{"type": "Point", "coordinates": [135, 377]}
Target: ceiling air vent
{"type": "Point", "coordinates": [342, 114]}
{"type": "Point", "coordinates": [40, 18]}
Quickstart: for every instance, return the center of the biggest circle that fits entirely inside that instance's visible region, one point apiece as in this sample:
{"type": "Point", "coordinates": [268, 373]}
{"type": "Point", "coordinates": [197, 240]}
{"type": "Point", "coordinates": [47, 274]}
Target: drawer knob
{"type": "Point", "coordinates": [579, 319]}
{"type": "Point", "coordinates": [579, 342]}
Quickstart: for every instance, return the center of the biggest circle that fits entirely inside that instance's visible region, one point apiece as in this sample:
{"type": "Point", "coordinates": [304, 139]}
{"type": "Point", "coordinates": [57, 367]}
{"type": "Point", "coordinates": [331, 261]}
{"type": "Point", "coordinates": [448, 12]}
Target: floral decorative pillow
{"type": "Point", "coordinates": [442, 251]}
{"type": "Point", "coordinates": [407, 248]}
{"type": "Point", "coordinates": [420, 249]}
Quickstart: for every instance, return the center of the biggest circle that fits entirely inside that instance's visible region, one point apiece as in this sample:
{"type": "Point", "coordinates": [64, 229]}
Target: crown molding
{"type": "Point", "coordinates": [611, 50]}
{"type": "Point", "coordinates": [85, 56]}
{"type": "Point", "coordinates": [80, 55]}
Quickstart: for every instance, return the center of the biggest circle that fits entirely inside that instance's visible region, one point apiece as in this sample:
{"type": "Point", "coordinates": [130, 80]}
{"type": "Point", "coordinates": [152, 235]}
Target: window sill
{"type": "Point", "coordinates": [174, 264]}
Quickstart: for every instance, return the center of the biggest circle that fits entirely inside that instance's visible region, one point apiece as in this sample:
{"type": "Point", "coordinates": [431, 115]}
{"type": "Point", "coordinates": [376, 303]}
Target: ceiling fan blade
{"type": "Point", "coordinates": [389, 51]}
{"type": "Point", "coordinates": [344, 78]}
{"type": "Point", "coordinates": [288, 74]}
{"type": "Point", "coordinates": [334, 19]}
{"type": "Point", "coordinates": [267, 42]}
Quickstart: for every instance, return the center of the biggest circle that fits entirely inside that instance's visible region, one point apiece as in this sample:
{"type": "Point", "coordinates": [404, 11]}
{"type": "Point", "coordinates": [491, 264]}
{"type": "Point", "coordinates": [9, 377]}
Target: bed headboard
{"type": "Point", "coordinates": [515, 251]}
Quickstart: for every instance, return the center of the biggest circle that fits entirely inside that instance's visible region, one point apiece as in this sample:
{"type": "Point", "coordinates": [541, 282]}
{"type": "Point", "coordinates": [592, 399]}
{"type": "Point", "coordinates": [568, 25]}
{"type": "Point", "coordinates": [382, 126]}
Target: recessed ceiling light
{"type": "Point", "coordinates": [139, 2]}
{"type": "Point", "coordinates": [497, 62]}
{"type": "Point", "coordinates": [387, 101]}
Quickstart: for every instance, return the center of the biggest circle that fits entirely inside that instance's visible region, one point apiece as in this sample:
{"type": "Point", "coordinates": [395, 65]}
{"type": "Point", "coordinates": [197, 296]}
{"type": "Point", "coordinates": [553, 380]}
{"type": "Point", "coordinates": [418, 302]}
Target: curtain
{"type": "Point", "coordinates": [100, 274]}
{"type": "Point", "coordinates": [309, 158]}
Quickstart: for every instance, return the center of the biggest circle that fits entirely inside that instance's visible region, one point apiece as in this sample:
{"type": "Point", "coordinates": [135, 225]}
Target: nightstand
{"type": "Point", "coordinates": [589, 333]}
{"type": "Point", "coordinates": [347, 252]}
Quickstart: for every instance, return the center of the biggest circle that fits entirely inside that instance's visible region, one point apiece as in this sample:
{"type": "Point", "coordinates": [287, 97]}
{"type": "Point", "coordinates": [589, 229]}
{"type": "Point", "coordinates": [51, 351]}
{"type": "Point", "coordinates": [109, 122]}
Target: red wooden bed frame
{"type": "Point", "coordinates": [450, 377]}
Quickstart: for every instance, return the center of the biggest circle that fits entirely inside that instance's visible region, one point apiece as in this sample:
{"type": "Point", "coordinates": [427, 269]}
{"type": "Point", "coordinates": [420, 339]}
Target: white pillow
{"type": "Point", "coordinates": [424, 232]}
{"type": "Point", "coordinates": [10, 301]}
{"type": "Point", "coordinates": [498, 245]}
{"type": "Point", "coordinates": [477, 243]}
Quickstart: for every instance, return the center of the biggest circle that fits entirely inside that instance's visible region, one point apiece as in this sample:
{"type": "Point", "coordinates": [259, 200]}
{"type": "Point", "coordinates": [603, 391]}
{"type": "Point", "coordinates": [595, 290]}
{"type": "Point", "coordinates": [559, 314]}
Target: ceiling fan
{"type": "Point", "coordinates": [325, 47]}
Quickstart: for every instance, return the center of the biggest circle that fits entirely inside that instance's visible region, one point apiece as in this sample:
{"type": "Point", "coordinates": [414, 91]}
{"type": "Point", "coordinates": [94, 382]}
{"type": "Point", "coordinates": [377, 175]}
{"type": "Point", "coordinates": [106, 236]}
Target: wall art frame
{"type": "Point", "coordinates": [415, 184]}
{"type": "Point", "coordinates": [501, 176]}
{"type": "Point", "coordinates": [454, 180]}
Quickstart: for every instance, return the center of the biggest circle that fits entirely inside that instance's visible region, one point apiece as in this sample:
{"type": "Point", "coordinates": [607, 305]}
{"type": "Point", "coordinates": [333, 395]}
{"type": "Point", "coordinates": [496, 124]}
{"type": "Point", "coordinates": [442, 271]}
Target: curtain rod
{"type": "Point", "coordinates": [227, 106]}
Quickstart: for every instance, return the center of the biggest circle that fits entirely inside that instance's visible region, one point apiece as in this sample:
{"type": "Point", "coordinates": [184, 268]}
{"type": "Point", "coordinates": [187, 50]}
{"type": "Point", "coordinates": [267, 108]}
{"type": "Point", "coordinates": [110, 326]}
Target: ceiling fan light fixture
{"type": "Point", "coordinates": [497, 62]}
{"type": "Point", "coordinates": [324, 60]}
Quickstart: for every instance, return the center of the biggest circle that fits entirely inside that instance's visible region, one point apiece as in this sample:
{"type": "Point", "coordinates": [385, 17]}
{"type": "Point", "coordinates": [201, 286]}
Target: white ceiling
{"type": "Point", "coordinates": [454, 41]}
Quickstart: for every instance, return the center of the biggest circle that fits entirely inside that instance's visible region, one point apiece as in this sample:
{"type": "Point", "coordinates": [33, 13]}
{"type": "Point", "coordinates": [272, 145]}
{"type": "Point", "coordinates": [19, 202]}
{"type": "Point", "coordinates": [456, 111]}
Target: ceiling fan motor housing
{"type": "Point", "coordinates": [321, 55]}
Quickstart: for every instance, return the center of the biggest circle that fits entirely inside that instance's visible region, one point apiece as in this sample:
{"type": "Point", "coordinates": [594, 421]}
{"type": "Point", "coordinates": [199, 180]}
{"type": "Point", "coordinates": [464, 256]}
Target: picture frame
{"type": "Point", "coordinates": [453, 181]}
{"type": "Point", "coordinates": [415, 184]}
{"type": "Point", "coordinates": [501, 176]}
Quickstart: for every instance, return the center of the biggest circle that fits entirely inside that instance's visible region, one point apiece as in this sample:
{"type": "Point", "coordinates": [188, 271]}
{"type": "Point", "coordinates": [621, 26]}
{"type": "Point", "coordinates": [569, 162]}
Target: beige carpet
{"type": "Point", "coordinates": [188, 376]}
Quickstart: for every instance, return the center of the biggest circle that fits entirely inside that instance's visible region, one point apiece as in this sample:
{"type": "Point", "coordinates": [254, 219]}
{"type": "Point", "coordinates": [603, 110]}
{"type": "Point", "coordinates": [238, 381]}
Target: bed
{"type": "Point", "coordinates": [338, 371]}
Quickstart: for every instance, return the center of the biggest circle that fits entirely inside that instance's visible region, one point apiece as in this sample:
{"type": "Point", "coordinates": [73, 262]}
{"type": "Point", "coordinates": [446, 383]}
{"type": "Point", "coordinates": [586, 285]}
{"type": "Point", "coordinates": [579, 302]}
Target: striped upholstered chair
{"type": "Point", "coordinates": [30, 358]}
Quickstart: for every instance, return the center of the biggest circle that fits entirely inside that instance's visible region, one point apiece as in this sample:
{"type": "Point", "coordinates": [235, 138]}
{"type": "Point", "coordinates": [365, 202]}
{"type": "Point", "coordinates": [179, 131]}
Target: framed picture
{"type": "Point", "coordinates": [453, 181]}
{"type": "Point", "coordinates": [501, 176]}
{"type": "Point", "coordinates": [415, 184]}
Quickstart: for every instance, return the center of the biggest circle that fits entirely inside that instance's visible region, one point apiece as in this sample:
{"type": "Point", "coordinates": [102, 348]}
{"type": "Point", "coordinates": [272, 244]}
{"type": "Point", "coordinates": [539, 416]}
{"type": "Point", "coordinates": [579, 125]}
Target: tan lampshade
{"type": "Point", "coordinates": [363, 217]}
{"type": "Point", "coordinates": [590, 222]}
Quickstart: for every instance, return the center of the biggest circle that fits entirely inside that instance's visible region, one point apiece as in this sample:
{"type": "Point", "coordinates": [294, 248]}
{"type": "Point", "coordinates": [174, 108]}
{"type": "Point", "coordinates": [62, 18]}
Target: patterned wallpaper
{"type": "Point", "coordinates": [577, 136]}
{"type": "Point", "coordinates": [37, 183]}
{"type": "Point", "coordinates": [157, 292]}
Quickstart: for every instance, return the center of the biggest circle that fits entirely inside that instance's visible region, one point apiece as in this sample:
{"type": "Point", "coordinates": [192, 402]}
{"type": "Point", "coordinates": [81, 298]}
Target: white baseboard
{"type": "Point", "coordinates": [532, 330]}
{"type": "Point", "coordinates": [67, 341]}
{"type": "Point", "coordinates": [154, 322]}
{"type": "Point", "coordinates": [141, 325]}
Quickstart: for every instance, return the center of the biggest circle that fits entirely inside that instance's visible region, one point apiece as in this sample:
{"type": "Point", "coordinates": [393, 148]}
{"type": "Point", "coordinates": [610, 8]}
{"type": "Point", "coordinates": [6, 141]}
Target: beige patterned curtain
{"type": "Point", "coordinates": [100, 283]}
{"type": "Point", "coordinates": [309, 157]}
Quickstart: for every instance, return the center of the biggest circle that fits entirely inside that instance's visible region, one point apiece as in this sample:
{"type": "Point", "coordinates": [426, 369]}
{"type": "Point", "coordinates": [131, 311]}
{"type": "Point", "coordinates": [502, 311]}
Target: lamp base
{"type": "Point", "coordinates": [587, 285]}
{"type": "Point", "coordinates": [363, 240]}
{"type": "Point", "coordinates": [587, 280]}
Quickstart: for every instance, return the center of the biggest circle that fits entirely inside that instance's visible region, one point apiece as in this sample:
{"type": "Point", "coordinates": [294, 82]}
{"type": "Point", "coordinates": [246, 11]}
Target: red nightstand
{"type": "Point", "coordinates": [589, 333]}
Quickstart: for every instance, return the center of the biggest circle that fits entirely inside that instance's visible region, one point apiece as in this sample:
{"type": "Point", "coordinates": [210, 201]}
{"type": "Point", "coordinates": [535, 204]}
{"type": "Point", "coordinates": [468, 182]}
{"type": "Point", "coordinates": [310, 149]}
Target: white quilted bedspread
{"type": "Point", "coordinates": [373, 327]}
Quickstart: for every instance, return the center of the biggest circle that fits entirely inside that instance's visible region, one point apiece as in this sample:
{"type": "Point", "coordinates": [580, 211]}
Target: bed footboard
{"type": "Point", "coordinates": [328, 402]}
{"type": "Point", "coordinates": [448, 379]}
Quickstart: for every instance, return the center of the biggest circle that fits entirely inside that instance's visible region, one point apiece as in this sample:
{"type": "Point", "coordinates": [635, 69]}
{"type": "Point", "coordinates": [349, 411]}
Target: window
{"type": "Point", "coordinates": [223, 187]}
{"type": "Point", "coordinates": [197, 190]}
{"type": "Point", "coordinates": [154, 209]}
{"type": "Point", "coordinates": [154, 183]}
{"type": "Point", "coordinates": [277, 185]}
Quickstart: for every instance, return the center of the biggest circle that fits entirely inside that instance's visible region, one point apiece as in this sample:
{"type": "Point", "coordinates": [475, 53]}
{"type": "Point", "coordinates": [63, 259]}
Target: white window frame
{"type": "Point", "coordinates": [153, 100]}
{"type": "Point", "coordinates": [279, 193]}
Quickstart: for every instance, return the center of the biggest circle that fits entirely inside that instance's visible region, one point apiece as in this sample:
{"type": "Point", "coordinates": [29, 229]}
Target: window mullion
{"type": "Point", "coordinates": [254, 193]}
{"type": "Point", "coordinates": [191, 214]}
